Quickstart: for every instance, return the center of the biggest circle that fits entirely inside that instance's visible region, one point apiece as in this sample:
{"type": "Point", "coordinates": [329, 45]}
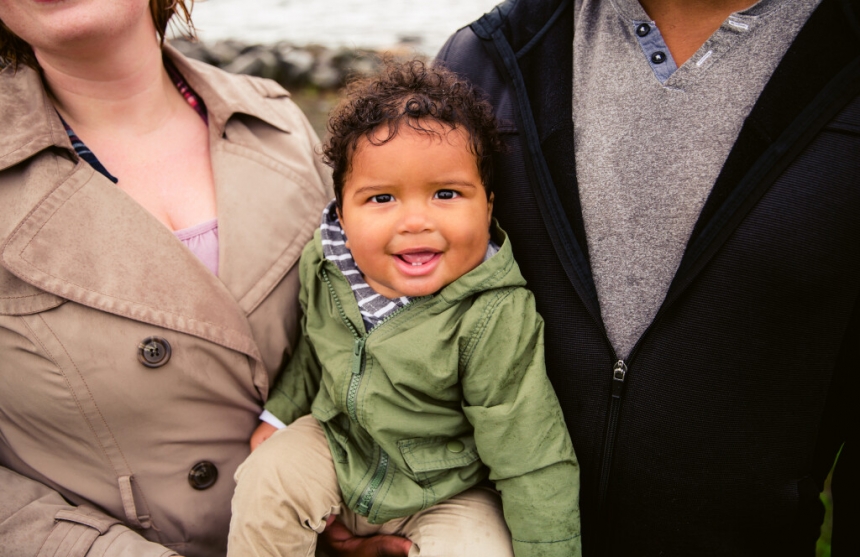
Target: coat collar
{"type": "Point", "coordinates": [30, 124]}
{"type": "Point", "coordinates": [226, 95]}
{"type": "Point", "coordinates": [83, 239]}
{"type": "Point", "coordinates": [89, 242]}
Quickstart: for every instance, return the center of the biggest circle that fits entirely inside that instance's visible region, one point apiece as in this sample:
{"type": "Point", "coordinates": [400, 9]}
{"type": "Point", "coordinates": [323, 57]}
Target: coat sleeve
{"type": "Point", "coordinates": [36, 520]}
{"type": "Point", "coordinates": [520, 431]}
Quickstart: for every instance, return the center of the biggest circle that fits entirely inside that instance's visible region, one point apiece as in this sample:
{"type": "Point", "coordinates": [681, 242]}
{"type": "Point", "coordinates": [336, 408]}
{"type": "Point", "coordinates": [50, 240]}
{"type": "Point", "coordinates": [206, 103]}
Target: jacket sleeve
{"type": "Point", "coordinates": [520, 431]}
{"type": "Point", "coordinates": [299, 379]}
{"type": "Point", "coordinates": [36, 521]}
{"type": "Point", "coordinates": [297, 385]}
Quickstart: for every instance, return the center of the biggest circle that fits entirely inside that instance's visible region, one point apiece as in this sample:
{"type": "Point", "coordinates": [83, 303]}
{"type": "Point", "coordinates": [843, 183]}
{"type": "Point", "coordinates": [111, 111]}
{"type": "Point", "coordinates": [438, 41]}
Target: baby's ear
{"type": "Point", "coordinates": [340, 219]}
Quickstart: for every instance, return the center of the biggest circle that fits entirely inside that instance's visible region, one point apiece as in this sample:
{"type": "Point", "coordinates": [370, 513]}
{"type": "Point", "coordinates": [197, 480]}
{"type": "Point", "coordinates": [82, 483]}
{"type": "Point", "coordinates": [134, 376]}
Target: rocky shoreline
{"type": "Point", "coordinates": [294, 67]}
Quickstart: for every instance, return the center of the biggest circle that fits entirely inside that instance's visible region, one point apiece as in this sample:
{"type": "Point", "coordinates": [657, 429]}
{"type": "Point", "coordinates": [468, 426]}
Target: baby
{"type": "Point", "coordinates": [421, 360]}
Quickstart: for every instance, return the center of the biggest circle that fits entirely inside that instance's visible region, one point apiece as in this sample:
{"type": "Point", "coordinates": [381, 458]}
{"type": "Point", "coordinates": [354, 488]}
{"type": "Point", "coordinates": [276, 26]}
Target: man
{"type": "Point", "coordinates": [682, 191]}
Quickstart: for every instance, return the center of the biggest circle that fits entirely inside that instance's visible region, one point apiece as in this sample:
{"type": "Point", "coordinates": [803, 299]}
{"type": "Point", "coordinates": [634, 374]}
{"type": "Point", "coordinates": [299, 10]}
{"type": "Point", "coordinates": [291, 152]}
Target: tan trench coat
{"type": "Point", "coordinates": [96, 448]}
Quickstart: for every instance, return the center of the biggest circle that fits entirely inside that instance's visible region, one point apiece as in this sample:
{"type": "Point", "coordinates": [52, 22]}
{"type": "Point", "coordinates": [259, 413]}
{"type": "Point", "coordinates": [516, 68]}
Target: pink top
{"type": "Point", "coordinates": [202, 240]}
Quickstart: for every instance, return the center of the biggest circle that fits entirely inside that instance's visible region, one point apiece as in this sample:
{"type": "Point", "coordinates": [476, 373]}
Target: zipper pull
{"type": "Point", "coordinates": [358, 352]}
{"type": "Point", "coordinates": [619, 372]}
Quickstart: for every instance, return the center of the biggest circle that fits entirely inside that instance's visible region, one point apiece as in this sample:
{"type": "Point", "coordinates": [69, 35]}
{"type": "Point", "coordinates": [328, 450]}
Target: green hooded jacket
{"type": "Point", "coordinates": [446, 392]}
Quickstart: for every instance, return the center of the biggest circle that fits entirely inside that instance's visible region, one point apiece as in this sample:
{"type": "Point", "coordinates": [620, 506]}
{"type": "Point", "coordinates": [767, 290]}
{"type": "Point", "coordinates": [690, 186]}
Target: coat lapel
{"type": "Point", "coordinates": [267, 203]}
{"type": "Point", "coordinates": [85, 240]}
{"type": "Point", "coordinates": [89, 242]}
{"type": "Point", "coordinates": [263, 222]}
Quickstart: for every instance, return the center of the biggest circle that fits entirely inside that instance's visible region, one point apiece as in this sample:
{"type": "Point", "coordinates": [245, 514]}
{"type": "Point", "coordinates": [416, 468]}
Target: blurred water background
{"type": "Point", "coordinates": [371, 24]}
{"type": "Point", "coordinates": [313, 47]}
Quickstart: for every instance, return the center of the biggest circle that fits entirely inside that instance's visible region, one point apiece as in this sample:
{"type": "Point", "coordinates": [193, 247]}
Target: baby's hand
{"type": "Point", "coordinates": [263, 432]}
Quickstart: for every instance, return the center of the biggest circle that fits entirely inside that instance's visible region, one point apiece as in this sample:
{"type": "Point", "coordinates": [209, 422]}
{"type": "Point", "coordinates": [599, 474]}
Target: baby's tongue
{"type": "Point", "coordinates": [417, 258]}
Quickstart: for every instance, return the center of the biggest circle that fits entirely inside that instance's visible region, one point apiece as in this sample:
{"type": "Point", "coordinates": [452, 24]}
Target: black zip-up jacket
{"type": "Point", "coordinates": [715, 436]}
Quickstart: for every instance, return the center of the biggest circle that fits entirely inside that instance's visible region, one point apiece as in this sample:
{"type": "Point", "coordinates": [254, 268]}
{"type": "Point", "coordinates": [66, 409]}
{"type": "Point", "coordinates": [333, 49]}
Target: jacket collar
{"type": "Point", "coordinates": [88, 242]}
{"type": "Point", "coordinates": [817, 77]}
{"type": "Point", "coordinates": [499, 271]}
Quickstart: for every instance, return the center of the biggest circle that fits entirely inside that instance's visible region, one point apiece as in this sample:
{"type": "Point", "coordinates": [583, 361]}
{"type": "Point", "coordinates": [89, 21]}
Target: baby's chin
{"type": "Point", "coordinates": [412, 289]}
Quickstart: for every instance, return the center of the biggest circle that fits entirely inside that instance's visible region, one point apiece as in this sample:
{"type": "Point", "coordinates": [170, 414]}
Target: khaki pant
{"type": "Point", "coordinates": [287, 488]}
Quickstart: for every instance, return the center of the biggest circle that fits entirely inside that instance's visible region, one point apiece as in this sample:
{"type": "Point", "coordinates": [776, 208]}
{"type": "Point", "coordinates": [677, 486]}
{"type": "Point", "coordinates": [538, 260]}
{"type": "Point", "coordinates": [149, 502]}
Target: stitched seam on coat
{"type": "Point", "coordinates": [21, 252]}
{"type": "Point", "coordinates": [27, 296]}
{"type": "Point", "coordinates": [152, 308]}
{"type": "Point", "coordinates": [481, 327]}
{"type": "Point", "coordinates": [89, 392]}
{"type": "Point", "coordinates": [106, 427]}
{"type": "Point", "coordinates": [69, 386]}
{"type": "Point", "coordinates": [549, 541]}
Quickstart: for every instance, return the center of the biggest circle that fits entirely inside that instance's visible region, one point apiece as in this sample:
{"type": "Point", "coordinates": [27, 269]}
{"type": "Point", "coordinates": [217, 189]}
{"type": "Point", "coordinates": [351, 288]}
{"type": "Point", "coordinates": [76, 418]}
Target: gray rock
{"type": "Point", "coordinates": [296, 64]}
{"type": "Point", "coordinates": [258, 62]}
{"type": "Point", "coordinates": [223, 53]}
{"type": "Point", "coordinates": [192, 49]}
{"type": "Point", "coordinates": [325, 74]}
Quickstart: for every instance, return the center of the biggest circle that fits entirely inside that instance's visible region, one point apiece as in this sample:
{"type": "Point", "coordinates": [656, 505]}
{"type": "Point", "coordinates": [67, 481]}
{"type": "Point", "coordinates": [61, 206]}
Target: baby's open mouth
{"type": "Point", "coordinates": [418, 258]}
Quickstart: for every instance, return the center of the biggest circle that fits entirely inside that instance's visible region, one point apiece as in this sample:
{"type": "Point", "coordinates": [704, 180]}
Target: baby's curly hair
{"type": "Point", "coordinates": [409, 93]}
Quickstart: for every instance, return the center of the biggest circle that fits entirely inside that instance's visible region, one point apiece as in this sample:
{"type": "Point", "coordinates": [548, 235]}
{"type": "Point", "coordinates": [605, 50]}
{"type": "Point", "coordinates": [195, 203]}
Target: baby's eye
{"type": "Point", "coordinates": [382, 198]}
{"type": "Point", "coordinates": [446, 194]}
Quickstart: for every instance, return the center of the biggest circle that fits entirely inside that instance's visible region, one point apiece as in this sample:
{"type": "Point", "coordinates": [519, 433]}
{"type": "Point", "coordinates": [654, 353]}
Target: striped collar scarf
{"type": "Point", "coordinates": [374, 307]}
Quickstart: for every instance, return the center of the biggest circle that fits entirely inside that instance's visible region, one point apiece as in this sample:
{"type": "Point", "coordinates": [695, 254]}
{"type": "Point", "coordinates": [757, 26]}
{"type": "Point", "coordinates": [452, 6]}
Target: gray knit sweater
{"type": "Point", "coordinates": [650, 142]}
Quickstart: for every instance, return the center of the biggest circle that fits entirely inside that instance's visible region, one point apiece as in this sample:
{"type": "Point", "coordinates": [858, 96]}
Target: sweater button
{"type": "Point", "coordinates": [455, 446]}
{"type": "Point", "coordinates": [153, 351]}
{"type": "Point", "coordinates": [643, 29]}
{"type": "Point", "coordinates": [658, 57]}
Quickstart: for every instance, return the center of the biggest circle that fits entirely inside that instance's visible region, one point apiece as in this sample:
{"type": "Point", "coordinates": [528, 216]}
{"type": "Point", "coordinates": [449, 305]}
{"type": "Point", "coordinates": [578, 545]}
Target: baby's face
{"type": "Point", "coordinates": [415, 211]}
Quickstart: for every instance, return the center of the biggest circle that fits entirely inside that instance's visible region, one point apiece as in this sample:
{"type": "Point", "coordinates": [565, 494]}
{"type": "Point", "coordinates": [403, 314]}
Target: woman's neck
{"type": "Point", "coordinates": [120, 86]}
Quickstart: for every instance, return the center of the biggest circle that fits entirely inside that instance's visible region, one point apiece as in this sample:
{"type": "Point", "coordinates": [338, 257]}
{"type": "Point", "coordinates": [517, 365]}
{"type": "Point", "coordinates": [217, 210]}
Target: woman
{"type": "Point", "coordinates": [133, 367]}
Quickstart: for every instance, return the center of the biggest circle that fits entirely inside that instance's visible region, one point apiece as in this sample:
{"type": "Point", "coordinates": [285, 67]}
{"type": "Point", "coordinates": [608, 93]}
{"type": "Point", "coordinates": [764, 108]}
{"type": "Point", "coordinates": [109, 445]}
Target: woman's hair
{"type": "Point", "coordinates": [15, 51]}
{"type": "Point", "coordinates": [413, 94]}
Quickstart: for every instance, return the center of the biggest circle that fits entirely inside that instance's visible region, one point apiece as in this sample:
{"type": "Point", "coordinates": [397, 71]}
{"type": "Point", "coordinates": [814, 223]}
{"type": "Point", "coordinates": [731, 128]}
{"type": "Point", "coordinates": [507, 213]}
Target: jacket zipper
{"type": "Point", "coordinates": [619, 374]}
{"type": "Point", "coordinates": [355, 378]}
{"type": "Point", "coordinates": [365, 500]}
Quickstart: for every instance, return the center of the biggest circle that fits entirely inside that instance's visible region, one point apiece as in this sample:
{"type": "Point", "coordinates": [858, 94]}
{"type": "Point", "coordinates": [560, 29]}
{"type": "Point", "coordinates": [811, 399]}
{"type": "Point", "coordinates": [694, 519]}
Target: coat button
{"type": "Point", "coordinates": [153, 351]}
{"type": "Point", "coordinates": [658, 57]}
{"type": "Point", "coordinates": [455, 446]}
{"type": "Point", "coordinates": [203, 475]}
{"type": "Point", "coordinates": [643, 29]}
